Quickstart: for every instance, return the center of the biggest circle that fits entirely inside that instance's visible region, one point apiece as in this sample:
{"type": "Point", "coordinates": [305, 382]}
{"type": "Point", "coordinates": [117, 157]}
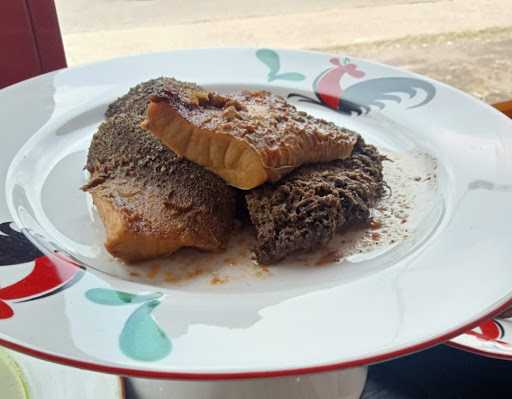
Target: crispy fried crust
{"type": "Point", "coordinates": [151, 201]}
{"type": "Point", "coordinates": [136, 100]}
{"type": "Point", "coordinates": [304, 210]}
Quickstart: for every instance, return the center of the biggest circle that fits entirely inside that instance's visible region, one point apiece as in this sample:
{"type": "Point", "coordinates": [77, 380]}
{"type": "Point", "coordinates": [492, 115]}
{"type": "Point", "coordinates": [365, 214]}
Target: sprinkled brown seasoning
{"type": "Point", "coordinates": [304, 210]}
{"type": "Point", "coordinates": [150, 200]}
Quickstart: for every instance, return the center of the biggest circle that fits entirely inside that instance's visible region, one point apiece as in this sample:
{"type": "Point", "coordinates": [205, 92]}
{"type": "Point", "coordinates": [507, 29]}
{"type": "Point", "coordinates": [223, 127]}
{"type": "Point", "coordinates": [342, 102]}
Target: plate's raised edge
{"type": "Point", "coordinates": [506, 108]}
{"type": "Point", "coordinates": [480, 352]}
{"type": "Point", "coordinates": [365, 361]}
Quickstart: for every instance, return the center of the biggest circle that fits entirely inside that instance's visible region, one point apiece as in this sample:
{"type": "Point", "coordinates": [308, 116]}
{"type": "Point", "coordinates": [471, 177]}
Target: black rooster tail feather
{"type": "Point", "coordinates": [15, 248]}
{"type": "Point", "coordinates": [375, 92]}
{"type": "Point", "coordinates": [304, 99]}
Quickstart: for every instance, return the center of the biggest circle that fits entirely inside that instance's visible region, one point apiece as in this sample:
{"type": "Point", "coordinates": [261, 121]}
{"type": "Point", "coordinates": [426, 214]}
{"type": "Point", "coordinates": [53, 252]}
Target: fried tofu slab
{"type": "Point", "coordinates": [247, 138]}
{"type": "Point", "coordinates": [151, 201]}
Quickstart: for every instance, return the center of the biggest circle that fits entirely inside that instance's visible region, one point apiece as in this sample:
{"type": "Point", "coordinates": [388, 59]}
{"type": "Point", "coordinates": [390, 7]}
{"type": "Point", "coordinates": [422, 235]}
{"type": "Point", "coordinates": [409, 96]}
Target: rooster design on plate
{"type": "Point", "coordinates": [50, 274]}
{"type": "Point", "coordinates": [356, 99]}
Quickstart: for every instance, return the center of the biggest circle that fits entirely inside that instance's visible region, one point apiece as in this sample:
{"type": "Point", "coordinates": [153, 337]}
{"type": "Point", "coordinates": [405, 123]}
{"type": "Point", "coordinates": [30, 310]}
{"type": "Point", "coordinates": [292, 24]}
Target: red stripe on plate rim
{"type": "Point", "coordinates": [365, 361]}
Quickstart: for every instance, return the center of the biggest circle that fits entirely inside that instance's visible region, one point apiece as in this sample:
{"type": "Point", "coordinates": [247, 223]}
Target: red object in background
{"type": "Point", "coordinates": [30, 39]}
{"type": "Point", "coordinates": [505, 107]}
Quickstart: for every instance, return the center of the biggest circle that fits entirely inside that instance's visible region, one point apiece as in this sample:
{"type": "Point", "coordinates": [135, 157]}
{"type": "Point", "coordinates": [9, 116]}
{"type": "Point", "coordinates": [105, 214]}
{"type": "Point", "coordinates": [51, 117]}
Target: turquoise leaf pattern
{"type": "Point", "coordinates": [141, 337]}
{"type": "Point", "coordinates": [271, 59]}
{"type": "Point", "coordinates": [290, 76]}
{"type": "Point", "coordinates": [105, 296]}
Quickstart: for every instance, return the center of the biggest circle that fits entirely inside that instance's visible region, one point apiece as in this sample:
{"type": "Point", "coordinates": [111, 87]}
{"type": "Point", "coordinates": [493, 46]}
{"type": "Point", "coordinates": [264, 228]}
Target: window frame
{"type": "Point", "coordinates": [31, 40]}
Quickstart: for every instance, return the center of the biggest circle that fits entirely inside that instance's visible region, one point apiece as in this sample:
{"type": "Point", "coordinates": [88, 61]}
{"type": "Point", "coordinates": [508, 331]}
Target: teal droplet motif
{"type": "Point", "coordinates": [142, 338]}
{"type": "Point", "coordinates": [295, 76]}
{"type": "Point", "coordinates": [271, 59]}
{"type": "Point", "coordinates": [105, 296]}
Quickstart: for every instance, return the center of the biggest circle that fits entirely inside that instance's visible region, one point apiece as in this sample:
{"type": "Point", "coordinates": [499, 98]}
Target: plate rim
{"type": "Point", "coordinates": [488, 106]}
{"type": "Point", "coordinates": [366, 361]}
{"type": "Point", "coordinates": [471, 348]}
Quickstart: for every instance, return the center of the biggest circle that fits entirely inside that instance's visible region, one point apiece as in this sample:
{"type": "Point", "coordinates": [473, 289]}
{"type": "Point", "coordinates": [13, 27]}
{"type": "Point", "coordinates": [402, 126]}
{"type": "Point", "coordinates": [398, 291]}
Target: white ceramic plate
{"type": "Point", "coordinates": [38, 379]}
{"type": "Point", "coordinates": [439, 264]}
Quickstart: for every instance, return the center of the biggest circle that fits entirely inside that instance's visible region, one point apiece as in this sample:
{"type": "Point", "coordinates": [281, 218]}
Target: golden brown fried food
{"type": "Point", "coordinates": [151, 201]}
{"type": "Point", "coordinates": [247, 138]}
